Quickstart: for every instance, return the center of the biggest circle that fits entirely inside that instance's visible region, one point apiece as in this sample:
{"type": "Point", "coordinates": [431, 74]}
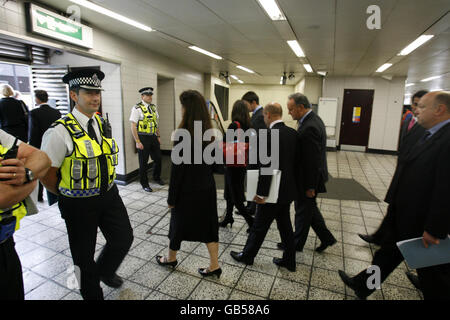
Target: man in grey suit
{"type": "Point", "coordinates": [313, 173]}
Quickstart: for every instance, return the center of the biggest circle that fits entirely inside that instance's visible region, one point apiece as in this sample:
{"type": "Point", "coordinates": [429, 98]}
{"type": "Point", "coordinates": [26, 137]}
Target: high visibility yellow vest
{"type": "Point", "coordinates": [80, 173]}
{"type": "Point", "coordinates": [149, 123]}
{"type": "Point", "coordinates": [19, 210]}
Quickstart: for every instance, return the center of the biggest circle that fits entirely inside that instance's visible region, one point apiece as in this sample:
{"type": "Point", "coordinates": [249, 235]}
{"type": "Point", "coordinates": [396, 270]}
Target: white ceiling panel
{"type": "Point", "coordinates": [332, 33]}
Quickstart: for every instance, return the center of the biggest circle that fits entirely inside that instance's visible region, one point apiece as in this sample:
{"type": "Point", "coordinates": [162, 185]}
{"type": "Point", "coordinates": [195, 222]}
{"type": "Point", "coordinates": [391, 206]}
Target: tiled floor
{"type": "Point", "coordinates": [44, 250]}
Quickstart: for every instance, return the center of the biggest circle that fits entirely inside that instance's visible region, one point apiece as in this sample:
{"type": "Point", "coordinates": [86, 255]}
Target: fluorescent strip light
{"type": "Point", "coordinates": [234, 77]}
{"type": "Point", "coordinates": [272, 9]}
{"type": "Point", "coordinates": [215, 56]}
{"type": "Point", "coordinates": [240, 81]}
{"type": "Point", "coordinates": [295, 46]}
{"type": "Point", "coordinates": [322, 73]}
{"type": "Point", "coordinates": [409, 84]}
{"type": "Point", "coordinates": [415, 44]}
{"type": "Point", "coordinates": [384, 67]}
{"type": "Point", "coordinates": [245, 69]}
{"type": "Point", "coordinates": [308, 67]}
{"type": "Point", "coordinates": [436, 89]}
{"type": "Point", "coordinates": [430, 78]}
{"type": "Point", "coordinates": [111, 14]}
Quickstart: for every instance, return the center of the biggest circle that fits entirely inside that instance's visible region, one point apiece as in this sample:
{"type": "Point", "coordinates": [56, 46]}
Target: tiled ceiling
{"type": "Point", "coordinates": [332, 33]}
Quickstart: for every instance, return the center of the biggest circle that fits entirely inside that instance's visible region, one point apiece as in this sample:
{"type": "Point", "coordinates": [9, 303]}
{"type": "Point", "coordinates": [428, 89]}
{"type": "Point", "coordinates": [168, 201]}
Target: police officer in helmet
{"type": "Point", "coordinates": [144, 127]}
{"type": "Point", "coordinates": [84, 156]}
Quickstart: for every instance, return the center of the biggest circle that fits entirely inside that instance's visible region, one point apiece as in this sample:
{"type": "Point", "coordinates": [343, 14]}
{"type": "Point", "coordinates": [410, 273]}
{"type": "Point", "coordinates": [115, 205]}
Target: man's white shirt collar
{"type": "Point", "coordinates": [82, 119]}
{"type": "Point", "coordinates": [274, 123]}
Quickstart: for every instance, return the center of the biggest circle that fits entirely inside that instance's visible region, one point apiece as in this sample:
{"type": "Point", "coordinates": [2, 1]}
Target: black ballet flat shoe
{"type": "Point", "coordinates": [206, 273]}
{"type": "Point", "coordinates": [173, 264]}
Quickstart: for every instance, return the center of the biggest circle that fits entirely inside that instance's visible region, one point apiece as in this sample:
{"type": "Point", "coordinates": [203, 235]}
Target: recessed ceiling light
{"type": "Point", "coordinates": [272, 9]}
{"type": "Point", "coordinates": [245, 69]}
{"type": "Point", "coordinates": [409, 84]}
{"type": "Point", "coordinates": [384, 67]}
{"type": "Point", "coordinates": [415, 44]}
{"type": "Point", "coordinates": [212, 55]}
{"type": "Point", "coordinates": [240, 81]}
{"type": "Point", "coordinates": [430, 78]}
{"type": "Point", "coordinates": [308, 67]}
{"type": "Point", "coordinates": [437, 89]}
{"type": "Point", "coordinates": [295, 46]}
{"type": "Point", "coordinates": [322, 73]}
{"type": "Point", "coordinates": [234, 77]}
{"type": "Point", "coordinates": [111, 14]}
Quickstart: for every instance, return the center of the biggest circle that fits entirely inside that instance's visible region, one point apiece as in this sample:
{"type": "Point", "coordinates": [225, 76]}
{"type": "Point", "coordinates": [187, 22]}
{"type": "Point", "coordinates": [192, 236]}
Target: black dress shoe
{"type": "Point", "coordinates": [239, 256]}
{"type": "Point", "coordinates": [281, 246]}
{"type": "Point", "coordinates": [280, 262]}
{"type": "Point", "coordinates": [114, 282]}
{"type": "Point", "coordinates": [368, 238]}
{"type": "Point", "coordinates": [414, 279]}
{"type": "Point", "coordinates": [160, 182]}
{"type": "Point", "coordinates": [147, 189]}
{"type": "Point", "coordinates": [323, 246]}
{"type": "Point", "coordinates": [351, 283]}
{"type": "Point", "coordinates": [206, 273]}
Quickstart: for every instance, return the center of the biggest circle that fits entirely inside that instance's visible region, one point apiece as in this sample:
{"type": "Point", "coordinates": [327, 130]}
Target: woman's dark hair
{"type": "Point", "coordinates": [240, 114]}
{"type": "Point", "coordinates": [194, 110]}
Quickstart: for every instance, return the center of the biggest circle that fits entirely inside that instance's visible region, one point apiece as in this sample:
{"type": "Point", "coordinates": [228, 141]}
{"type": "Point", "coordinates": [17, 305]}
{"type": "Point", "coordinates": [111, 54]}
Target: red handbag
{"type": "Point", "coordinates": [235, 154]}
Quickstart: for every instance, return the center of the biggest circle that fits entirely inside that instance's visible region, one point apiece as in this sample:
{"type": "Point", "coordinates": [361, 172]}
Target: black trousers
{"type": "Point", "coordinates": [308, 215]}
{"type": "Point", "coordinates": [11, 281]}
{"type": "Point", "coordinates": [234, 189]}
{"type": "Point", "coordinates": [152, 149]}
{"type": "Point", "coordinates": [265, 214]}
{"type": "Point", "coordinates": [434, 281]}
{"type": "Point", "coordinates": [83, 217]}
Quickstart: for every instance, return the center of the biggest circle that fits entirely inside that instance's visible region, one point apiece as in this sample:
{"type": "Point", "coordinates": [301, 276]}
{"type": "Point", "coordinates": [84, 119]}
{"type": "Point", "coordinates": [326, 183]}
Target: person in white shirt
{"type": "Point", "coordinates": [144, 120]}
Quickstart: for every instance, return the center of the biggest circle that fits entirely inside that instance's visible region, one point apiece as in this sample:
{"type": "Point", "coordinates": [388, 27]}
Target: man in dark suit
{"type": "Point", "coordinates": [313, 174]}
{"type": "Point", "coordinates": [267, 212]}
{"type": "Point", "coordinates": [424, 172]}
{"type": "Point", "coordinates": [40, 120]}
{"type": "Point", "coordinates": [258, 123]}
{"type": "Point", "coordinates": [410, 133]}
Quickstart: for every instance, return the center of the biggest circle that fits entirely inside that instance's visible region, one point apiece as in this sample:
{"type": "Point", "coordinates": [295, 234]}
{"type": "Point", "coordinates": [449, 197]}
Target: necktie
{"type": "Point", "coordinates": [91, 130]}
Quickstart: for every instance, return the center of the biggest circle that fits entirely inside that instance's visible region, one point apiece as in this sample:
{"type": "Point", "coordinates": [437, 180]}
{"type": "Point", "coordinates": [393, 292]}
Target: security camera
{"type": "Point", "coordinates": [291, 76]}
{"type": "Point", "coordinates": [283, 79]}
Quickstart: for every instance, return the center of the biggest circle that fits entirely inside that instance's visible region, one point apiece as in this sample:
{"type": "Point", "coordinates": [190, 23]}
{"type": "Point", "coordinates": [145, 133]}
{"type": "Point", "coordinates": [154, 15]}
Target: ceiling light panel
{"type": "Point", "coordinates": [212, 55]}
{"type": "Point", "coordinates": [295, 46]}
{"type": "Point", "coordinates": [272, 9]}
{"type": "Point", "coordinates": [415, 44]}
{"type": "Point", "coordinates": [245, 69]}
{"type": "Point", "coordinates": [111, 14]}
{"type": "Point", "coordinates": [384, 67]}
{"type": "Point", "coordinates": [308, 67]}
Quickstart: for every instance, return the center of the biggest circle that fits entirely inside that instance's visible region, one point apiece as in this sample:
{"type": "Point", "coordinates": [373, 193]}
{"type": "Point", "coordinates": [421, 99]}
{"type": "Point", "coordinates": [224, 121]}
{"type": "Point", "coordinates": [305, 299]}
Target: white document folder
{"type": "Point", "coordinates": [252, 185]}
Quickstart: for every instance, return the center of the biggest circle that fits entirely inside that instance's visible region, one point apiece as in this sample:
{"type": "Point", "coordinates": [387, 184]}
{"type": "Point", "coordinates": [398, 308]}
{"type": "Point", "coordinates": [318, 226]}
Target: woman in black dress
{"type": "Point", "coordinates": [13, 114]}
{"type": "Point", "coordinates": [192, 192]}
{"type": "Point", "coordinates": [235, 176]}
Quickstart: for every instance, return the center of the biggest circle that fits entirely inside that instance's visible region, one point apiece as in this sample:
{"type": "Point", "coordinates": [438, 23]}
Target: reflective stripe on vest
{"type": "Point", "coordinates": [80, 173]}
{"type": "Point", "coordinates": [149, 123]}
{"type": "Point", "coordinates": [19, 210]}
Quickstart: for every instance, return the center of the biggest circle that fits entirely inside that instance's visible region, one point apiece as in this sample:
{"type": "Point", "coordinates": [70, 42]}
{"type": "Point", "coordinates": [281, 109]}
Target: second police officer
{"type": "Point", "coordinates": [144, 127]}
{"type": "Point", "coordinates": [84, 156]}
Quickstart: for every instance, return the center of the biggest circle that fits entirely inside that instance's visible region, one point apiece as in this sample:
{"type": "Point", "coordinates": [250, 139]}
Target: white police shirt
{"type": "Point", "coordinates": [137, 114]}
{"type": "Point", "coordinates": [57, 142]}
{"type": "Point", "coordinates": [7, 140]}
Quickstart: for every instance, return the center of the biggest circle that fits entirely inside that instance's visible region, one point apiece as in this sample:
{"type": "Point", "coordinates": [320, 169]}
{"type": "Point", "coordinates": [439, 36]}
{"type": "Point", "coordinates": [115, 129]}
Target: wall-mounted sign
{"type": "Point", "coordinates": [356, 118]}
{"type": "Point", "coordinates": [50, 24]}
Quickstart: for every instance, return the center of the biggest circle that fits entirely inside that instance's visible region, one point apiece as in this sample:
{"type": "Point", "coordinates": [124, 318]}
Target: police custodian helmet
{"type": "Point", "coordinates": [87, 78]}
{"type": "Point", "coordinates": [146, 90]}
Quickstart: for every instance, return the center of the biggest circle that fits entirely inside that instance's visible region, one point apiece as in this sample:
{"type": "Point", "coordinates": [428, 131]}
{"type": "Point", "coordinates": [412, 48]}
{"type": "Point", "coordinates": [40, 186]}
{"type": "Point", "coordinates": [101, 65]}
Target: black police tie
{"type": "Point", "coordinates": [91, 130]}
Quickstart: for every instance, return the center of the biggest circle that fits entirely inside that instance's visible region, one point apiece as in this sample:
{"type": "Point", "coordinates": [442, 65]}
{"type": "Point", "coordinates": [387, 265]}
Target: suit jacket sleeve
{"type": "Point", "coordinates": [438, 218]}
{"type": "Point", "coordinates": [310, 153]}
{"type": "Point", "coordinates": [264, 181]}
{"type": "Point", "coordinates": [34, 131]}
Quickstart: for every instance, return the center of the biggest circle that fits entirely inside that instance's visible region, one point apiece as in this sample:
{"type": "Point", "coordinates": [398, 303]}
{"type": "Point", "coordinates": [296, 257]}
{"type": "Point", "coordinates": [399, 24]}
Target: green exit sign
{"type": "Point", "coordinates": [50, 24]}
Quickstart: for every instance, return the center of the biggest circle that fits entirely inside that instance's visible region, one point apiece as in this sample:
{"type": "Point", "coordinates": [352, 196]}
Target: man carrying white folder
{"type": "Point", "coordinates": [425, 172]}
{"type": "Point", "coordinates": [287, 192]}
